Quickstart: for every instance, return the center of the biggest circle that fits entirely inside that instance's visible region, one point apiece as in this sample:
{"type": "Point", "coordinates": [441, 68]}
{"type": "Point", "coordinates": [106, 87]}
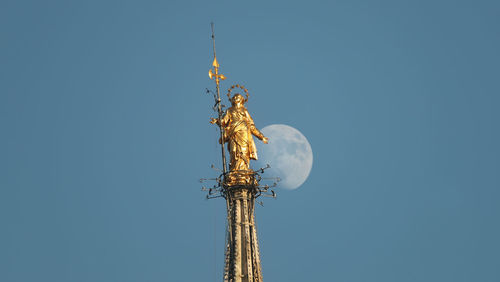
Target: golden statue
{"type": "Point", "coordinates": [238, 128]}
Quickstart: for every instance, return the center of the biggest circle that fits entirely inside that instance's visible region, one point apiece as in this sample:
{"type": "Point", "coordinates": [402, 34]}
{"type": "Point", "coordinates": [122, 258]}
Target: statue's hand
{"type": "Point", "coordinates": [265, 140]}
{"type": "Point", "coordinates": [213, 120]}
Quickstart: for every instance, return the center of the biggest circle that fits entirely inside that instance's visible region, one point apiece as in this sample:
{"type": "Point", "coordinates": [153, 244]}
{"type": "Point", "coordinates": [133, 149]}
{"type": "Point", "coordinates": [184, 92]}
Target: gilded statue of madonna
{"type": "Point", "coordinates": [238, 128]}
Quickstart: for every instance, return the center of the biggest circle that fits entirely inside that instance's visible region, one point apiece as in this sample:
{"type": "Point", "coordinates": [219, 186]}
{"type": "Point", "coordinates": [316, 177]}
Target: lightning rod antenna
{"type": "Point", "coordinates": [218, 77]}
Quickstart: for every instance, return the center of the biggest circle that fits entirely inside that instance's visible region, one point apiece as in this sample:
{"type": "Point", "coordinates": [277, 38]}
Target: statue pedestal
{"type": "Point", "coordinates": [240, 178]}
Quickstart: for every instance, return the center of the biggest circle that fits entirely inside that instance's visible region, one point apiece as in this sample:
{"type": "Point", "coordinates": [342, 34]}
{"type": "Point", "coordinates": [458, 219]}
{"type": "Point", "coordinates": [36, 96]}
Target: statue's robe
{"type": "Point", "coordinates": [238, 130]}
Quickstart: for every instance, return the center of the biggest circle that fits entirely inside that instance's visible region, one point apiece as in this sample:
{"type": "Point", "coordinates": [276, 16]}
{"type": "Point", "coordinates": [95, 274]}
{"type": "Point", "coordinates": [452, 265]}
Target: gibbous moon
{"type": "Point", "coordinates": [288, 153]}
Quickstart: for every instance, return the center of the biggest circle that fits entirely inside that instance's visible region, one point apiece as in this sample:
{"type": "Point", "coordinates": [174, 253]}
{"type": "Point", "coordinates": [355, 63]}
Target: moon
{"type": "Point", "coordinates": [288, 153]}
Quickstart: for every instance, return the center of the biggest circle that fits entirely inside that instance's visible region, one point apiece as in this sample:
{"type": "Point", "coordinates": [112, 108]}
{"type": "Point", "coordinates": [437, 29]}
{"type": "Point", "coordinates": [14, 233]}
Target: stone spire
{"type": "Point", "coordinates": [242, 247]}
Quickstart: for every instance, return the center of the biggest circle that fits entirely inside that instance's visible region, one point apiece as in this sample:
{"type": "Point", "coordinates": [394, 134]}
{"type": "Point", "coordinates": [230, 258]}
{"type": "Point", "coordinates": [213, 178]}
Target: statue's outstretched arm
{"type": "Point", "coordinates": [254, 129]}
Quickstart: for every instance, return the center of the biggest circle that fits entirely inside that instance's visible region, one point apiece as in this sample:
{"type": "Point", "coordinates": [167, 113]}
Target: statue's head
{"type": "Point", "coordinates": [237, 99]}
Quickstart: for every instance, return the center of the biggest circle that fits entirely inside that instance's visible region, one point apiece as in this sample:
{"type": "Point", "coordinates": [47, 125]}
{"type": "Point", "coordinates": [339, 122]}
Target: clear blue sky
{"type": "Point", "coordinates": [104, 133]}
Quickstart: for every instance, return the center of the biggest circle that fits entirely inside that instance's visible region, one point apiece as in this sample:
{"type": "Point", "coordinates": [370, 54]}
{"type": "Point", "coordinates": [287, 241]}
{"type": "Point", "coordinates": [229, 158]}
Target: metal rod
{"type": "Point", "coordinates": [217, 81]}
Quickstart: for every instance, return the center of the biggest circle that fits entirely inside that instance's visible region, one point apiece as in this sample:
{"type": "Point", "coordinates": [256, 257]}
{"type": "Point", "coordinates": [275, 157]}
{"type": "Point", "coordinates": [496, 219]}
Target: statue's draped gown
{"type": "Point", "coordinates": [239, 128]}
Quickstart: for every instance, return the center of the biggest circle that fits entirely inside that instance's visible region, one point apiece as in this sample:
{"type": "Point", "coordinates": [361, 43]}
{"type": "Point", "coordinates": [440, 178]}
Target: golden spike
{"type": "Point", "coordinates": [215, 63]}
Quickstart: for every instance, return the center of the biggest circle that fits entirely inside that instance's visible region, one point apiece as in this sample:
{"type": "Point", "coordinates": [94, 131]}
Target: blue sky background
{"type": "Point", "coordinates": [104, 134]}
